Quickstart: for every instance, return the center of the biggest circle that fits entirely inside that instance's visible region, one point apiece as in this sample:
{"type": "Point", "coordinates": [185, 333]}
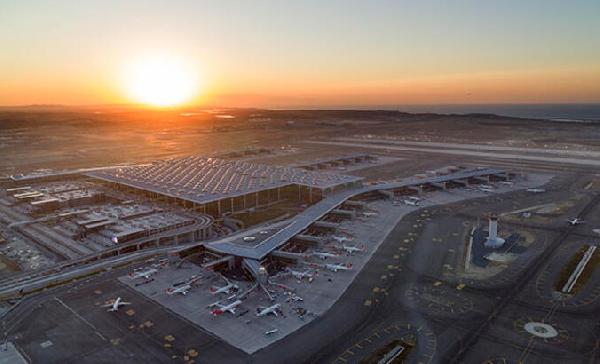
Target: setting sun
{"type": "Point", "coordinates": [161, 81]}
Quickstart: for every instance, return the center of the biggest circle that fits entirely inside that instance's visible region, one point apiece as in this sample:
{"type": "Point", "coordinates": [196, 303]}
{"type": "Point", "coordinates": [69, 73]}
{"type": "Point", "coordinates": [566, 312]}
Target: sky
{"type": "Point", "coordinates": [306, 53]}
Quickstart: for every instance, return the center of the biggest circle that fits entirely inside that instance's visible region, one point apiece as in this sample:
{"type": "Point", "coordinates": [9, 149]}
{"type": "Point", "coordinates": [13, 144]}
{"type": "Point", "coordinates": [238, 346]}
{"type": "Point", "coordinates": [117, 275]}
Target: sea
{"type": "Point", "coordinates": [560, 112]}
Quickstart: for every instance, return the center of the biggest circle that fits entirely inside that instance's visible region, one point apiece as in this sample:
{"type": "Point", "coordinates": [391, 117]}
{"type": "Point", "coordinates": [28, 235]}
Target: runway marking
{"type": "Point", "coordinates": [81, 318]}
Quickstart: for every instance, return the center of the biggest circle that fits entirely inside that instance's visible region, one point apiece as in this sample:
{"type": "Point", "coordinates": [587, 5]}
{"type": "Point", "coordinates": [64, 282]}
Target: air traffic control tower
{"type": "Point", "coordinates": [493, 240]}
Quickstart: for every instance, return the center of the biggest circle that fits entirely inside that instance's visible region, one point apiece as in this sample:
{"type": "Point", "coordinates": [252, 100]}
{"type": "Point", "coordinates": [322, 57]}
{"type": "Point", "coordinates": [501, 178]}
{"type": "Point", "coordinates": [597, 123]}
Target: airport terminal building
{"type": "Point", "coordinates": [217, 186]}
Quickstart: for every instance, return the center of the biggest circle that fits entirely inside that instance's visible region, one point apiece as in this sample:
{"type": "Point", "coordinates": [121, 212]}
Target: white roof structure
{"type": "Point", "coordinates": [315, 212]}
{"type": "Point", "coordinates": [203, 179]}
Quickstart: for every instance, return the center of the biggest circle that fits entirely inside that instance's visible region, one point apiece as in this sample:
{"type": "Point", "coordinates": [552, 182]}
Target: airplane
{"type": "Point", "coordinates": [260, 312]}
{"type": "Point", "coordinates": [145, 273]}
{"type": "Point", "coordinates": [508, 183]}
{"type": "Point", "coordinates": [485, 189]}
{"type": "Point", "coordinates": [414, 198]}
{"type": "Point", "coordinates": [575, 221]}
{"type": "Point", "coordinates": [353, 249]}
{"type": "Point", "coordinates": [325, 255]}
{"type": "Point", "coordinates": [225, 289]}
{"type": "Point", "coordinates": [271, 332]}
{"type": "Point", "coordinates": [221, 309]}
{"type": "Point", "coordinates": [183, 289]}
{"type": "Point", "coordinates": [411, 202]}
{"type": "Point", "coordinates": [341, 239]}
{"type": "Point", "coordinates": [338, 266]}
{"type": "Point", "coordinates": [300, 275]}
{"type": "Point", "coordinates": [114, 305]}
{"type": "Point", "coordinates": [535, 190]}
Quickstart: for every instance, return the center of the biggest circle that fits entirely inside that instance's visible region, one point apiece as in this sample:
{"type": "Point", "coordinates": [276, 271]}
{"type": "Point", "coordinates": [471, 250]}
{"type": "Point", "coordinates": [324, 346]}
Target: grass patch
{"type": "Point", "coordinates": [380, 353]}
{"type": "Point", "coordinates": [263, 215]}
{"type": "Point", "coordinates": [568, 269]}
{"type": "Point", "coordinates": [587, 271]}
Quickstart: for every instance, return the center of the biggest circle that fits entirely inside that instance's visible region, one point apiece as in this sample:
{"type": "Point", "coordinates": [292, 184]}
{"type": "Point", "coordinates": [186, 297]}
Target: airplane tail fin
{"type": "Point", "coordinates": [217, 312]}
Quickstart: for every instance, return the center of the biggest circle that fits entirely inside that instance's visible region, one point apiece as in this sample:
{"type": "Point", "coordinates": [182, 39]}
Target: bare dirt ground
{"type": "Point", "coordinates": [61, 138]}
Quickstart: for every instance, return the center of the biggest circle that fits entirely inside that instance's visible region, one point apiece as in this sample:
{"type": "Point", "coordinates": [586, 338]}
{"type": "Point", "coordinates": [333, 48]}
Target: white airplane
{"type": "Point", "coordinates": [115, 304]}
{"type": "Point", "coordinates": [488, 187]}
{"type": "Point", "coordinates": [508, 183]}
{"type": "Point", "coordinates": [352, 249]}
{"type": "Point", "coordinates": [260, 312]}
{"type": "Point", "coordinates": [341, 239]}
{"type": "Point", "coordinates": [270, 332]}
{"type": "Point", "coordinates": [414, 198]}
{"type": "Point", "coordinates": [144, 273]}
{"type": "Point", "coordinates": [410, 202]}
{"type": "Point", "coordinates": [484, 189]}
{"type": "Point", "coordinates": [300, 275]}
{"type": "Point", "coordinates": [325, 255]}
{"type": "Point", "coordinates": [182, 289]}
{"type": "Point", "coordinates": [535, 190]}
{"type": "Point", "coordinates": [338, 266]}
{"type": "Point", "coordinates": [575, 221]}
{"type": "Point", "coordinates": [369, 214]}
{"type": "Point", "coordinates": [221, 309]}
{"type": "Point", "coordinates": [225, 289]}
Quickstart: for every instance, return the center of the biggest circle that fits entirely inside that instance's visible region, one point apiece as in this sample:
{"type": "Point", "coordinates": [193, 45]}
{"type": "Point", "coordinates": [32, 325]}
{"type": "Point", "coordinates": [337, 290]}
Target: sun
{"type": "Point", "coordinates": [161, 81]}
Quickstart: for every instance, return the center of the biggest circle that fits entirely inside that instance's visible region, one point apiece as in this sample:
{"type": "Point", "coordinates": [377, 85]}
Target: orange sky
{"type": "Point", "coordinates": [269, 54]}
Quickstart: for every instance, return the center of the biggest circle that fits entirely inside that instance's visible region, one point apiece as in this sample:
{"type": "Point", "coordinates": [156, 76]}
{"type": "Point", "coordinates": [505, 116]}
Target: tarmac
{"type": "Point", "coordinates": [248, 332]}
